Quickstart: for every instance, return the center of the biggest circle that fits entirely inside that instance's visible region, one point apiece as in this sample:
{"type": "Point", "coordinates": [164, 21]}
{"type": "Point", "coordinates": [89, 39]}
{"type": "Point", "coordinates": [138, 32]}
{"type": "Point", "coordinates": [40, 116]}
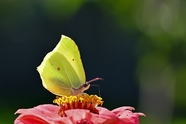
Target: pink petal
{"type": "Point", "coordinates": [80, 116]}
{"type": "Point", "coordinates": [29, 119]}
{"type": "Point", "coordinates": [126, 114]}
{"type": "Point", "coordinates": [110, 118]}
{"type": "Point", "coordinates": [121, 109]}
{"type": "Point", "coordinates": [42, 114]}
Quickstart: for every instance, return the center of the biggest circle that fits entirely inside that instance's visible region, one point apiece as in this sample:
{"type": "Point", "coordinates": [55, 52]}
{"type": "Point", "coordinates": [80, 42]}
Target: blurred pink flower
{"type": "Point", "coordinates": [48, 114]}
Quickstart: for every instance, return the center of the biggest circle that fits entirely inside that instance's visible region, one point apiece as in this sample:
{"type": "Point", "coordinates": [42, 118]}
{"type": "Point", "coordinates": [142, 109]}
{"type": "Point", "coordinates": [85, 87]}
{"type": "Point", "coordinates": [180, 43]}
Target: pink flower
{"type": "Point", "coordinates": [48, 114]}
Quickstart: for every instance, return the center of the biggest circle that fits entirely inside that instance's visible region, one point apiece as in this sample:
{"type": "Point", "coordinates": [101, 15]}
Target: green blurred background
{"type": "Point", "coordinates": [138, 47]}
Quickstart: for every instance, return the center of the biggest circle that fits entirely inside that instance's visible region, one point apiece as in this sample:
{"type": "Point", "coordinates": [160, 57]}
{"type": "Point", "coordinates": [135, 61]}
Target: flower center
{"type": "Point", "coordinates": [80, 101]}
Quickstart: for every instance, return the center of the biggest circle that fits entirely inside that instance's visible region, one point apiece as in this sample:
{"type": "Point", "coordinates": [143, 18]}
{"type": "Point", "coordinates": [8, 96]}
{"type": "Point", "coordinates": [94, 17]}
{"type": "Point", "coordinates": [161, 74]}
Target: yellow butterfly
{"type": "Point", "coordinates": [61, 70]}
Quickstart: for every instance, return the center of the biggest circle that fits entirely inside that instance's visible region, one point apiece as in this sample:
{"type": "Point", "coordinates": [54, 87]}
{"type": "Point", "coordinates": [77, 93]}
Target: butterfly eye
{"type": "Point", "coordinates": [85, 84]}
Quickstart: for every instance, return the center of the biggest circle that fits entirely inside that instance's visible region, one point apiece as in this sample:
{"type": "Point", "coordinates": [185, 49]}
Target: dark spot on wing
{"type": "Point", "coordinates": [58, 68]}
{"type": "Point", "coordinates": [72, 59]}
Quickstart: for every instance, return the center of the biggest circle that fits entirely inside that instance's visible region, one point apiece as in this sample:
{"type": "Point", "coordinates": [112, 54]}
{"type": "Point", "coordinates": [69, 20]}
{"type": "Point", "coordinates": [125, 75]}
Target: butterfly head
{"type": "Point", "coordinates": [81, 89]}
{"type": "Point", "coordinates": [84, 87]}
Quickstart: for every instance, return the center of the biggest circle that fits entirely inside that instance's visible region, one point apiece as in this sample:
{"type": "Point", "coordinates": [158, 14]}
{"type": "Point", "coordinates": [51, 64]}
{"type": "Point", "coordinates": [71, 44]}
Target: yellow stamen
{"type": "Point", "coordinates": [80, 101]}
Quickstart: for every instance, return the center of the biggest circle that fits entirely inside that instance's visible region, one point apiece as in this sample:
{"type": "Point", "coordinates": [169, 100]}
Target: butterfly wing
{"type": "Point", "coordinates": [62, 69]}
